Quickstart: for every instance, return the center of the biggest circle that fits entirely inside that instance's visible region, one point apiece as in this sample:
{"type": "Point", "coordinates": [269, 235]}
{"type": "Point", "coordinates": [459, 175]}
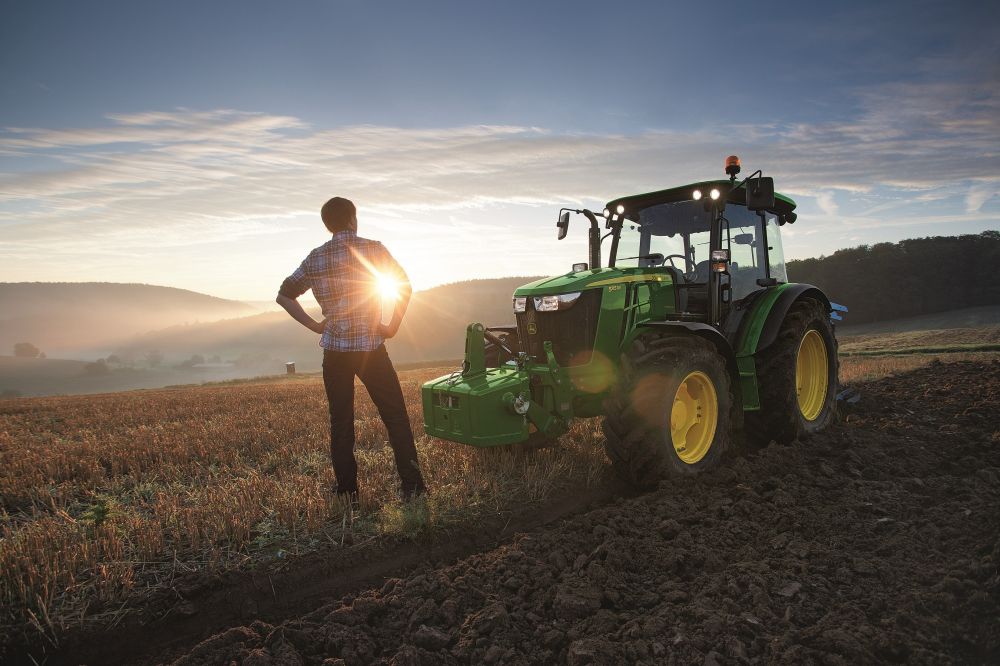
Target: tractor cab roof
{"type": "Point", "coordinates": [636, 202]}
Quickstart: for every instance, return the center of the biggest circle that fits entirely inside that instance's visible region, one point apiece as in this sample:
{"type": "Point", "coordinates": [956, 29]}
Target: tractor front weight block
{"type": "Point", "coordinates": [478, 406]}
{"type": "Point", "coordinates": [480, 409]}
{"type": "Point", "coordinates": [486, 407]}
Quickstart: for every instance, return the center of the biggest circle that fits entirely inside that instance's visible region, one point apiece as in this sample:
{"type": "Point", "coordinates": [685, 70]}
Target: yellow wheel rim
{"type": "Point", "coordinates": [694, 417]}
{"type": "Point", "coordinates": [811, 373]}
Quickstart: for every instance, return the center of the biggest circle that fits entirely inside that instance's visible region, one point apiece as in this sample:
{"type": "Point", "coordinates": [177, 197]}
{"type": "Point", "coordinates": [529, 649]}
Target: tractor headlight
{"type": "Point", "coordinates": [555, 302]}
{"type": "Point", "coordinates": [520, 303]}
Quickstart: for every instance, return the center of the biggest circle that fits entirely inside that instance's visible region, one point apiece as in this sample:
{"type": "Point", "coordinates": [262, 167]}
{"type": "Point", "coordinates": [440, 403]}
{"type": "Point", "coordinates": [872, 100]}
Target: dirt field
{"type": "Point", "coordinates": [878, 541]}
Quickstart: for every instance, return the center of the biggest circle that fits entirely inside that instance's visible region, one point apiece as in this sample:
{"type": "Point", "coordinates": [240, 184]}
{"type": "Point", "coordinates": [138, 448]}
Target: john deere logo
{"type": "Point", "coordinates": [532, 329]}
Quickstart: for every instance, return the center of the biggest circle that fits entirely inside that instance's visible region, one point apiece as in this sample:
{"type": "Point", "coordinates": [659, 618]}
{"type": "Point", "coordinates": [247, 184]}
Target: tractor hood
{"type": "Point", "coordinates": [591, 278]}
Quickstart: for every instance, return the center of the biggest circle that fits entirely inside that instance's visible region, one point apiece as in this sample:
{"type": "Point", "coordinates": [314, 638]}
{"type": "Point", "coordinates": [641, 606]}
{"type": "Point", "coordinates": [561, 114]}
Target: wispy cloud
{"type": "Point", "coordinates": [203, 176]}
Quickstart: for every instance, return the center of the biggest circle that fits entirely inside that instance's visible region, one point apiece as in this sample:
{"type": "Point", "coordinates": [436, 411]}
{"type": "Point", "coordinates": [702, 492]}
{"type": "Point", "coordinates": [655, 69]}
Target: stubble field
{"type": "Point", "coordinates": [113, 504]}
{"type": "Point", "coordinates": [108, 499]}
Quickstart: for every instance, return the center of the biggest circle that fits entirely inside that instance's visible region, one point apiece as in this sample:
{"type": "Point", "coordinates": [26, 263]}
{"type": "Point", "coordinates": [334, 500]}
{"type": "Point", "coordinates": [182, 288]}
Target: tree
{"type": "Point", "coordinates": [98, 367]}
{"type": "Point", "coordinates": [154, 358]}
{"type": "Point", "coordinates": [196, 359]}
{"type": "Point", "coordinates": [26, 350]}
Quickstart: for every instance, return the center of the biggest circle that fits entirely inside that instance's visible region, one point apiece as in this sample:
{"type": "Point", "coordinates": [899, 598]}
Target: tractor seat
{"type": "Point", "coordinates": [692, 291]}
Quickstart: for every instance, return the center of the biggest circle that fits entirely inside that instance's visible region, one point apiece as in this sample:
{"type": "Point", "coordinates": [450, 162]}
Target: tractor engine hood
{"type": "Point", "coordinates": [591, 278]}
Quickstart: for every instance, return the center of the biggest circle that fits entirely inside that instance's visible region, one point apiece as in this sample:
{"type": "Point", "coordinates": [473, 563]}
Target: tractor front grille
{"type": "Point", "coordinates": [571, 331]}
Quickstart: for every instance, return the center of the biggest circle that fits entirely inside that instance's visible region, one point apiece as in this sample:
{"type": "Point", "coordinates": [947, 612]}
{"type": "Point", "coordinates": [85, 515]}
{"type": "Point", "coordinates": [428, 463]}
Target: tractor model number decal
{"type": "Point", "coordinates": [615, 287]}
{"type": "Point", "coordinates": [532, 329]}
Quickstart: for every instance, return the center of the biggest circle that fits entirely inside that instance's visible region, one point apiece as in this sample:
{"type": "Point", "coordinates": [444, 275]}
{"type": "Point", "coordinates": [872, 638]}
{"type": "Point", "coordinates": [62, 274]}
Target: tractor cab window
{"type": "Point", "coordinates": [775, 254]}
{"type": "Point", "coordinates": [671, 235]}
{"type": "Point", "coordinates": [748, 253]}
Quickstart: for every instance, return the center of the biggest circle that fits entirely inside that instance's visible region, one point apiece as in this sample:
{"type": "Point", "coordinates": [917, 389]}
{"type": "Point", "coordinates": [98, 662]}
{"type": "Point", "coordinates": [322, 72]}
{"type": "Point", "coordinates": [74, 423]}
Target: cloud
{"type": "Point", "coordinates": [978, 195]}
{"type": "Point", "coordinates": [183, 177]}
{"type": "Point", "coordinates": [826, 203]}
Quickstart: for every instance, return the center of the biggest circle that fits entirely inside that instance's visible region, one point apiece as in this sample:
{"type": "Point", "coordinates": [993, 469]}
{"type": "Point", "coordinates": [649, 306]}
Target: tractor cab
{"type": "Point", "coordinates": [717, 249]}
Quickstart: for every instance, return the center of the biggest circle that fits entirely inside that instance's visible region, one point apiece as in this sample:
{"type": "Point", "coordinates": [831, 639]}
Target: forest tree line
{"type": "Point", "coordinates": [912, 277]}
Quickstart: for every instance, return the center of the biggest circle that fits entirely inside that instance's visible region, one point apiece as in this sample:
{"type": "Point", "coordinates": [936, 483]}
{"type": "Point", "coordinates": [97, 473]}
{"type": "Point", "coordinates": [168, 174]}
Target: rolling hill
{"type": "Point", "coordinates": [434, 329]}
{"type": "Point", "coordinates": [67, 318]}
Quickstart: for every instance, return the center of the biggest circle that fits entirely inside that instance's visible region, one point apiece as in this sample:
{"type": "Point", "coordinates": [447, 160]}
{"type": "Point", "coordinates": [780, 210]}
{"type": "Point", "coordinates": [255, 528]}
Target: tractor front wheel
{"type": "Point", "coordinates": [797, 378]}
{"type": "Point", "coordinates": [671, 412]}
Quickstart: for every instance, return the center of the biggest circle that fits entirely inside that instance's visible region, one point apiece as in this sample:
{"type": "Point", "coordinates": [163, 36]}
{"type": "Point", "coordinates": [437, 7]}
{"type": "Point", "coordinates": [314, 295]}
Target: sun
{"type": "Point", "coordinates": [387, 287]}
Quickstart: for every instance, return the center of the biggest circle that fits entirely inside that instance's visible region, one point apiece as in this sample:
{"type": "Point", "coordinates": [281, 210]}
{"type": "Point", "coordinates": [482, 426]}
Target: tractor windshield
{"type": "Point", "coordinates": [677, 234]}
{"type": "Point", "coordinates": [668, 234]}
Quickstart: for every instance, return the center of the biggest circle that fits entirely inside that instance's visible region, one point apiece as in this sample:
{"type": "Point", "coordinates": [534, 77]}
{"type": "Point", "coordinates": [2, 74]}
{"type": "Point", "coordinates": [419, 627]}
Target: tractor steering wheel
{"type": "Point", "coordinates": [671, 258]}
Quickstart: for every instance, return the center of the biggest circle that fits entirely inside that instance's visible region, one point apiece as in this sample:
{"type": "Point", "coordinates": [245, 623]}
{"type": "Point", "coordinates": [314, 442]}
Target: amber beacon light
{"type": "Point", "coordinates": [732, 165]}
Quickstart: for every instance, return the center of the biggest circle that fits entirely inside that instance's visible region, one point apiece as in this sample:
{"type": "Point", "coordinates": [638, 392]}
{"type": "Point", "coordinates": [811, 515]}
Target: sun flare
{"type": "Point", "coordinates": [386, 287]}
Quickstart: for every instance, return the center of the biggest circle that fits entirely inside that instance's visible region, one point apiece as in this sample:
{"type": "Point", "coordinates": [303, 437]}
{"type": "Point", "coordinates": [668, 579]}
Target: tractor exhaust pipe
{"type": "Point", "coordinates": [594, 241]}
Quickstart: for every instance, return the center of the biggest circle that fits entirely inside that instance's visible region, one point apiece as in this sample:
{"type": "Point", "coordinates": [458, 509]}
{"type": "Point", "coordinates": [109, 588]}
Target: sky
{"type": "Point", "coordinates": [192, 144]}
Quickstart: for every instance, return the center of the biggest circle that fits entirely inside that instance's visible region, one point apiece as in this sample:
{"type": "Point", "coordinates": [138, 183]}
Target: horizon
{"type": "Point", "coordinates": [127, 158]}
{"type": "Point", "coordinates": [310, 302]}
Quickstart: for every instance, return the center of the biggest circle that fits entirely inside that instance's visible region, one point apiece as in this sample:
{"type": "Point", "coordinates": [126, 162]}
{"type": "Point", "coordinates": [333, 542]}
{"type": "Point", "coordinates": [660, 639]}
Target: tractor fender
{"type": "Point", "coordinates": [702, 331]}
{"type": "Point", "coordinates": [773, 313]}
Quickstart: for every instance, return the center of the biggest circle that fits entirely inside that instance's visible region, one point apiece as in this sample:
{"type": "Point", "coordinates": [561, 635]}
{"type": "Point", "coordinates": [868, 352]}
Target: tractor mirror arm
{"type": "Point", "coordinates": [743, 182]}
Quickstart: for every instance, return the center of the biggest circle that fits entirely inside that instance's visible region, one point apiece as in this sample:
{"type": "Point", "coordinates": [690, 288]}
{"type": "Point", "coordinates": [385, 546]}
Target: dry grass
{"type": "Point", "coordinates": [864, 368]}
{"type": "Point", "coordinates": [955, 338]}
{"type": "Point", "coordinates": [865, 357]}
{"type": "Point", "coordinates": [104, 497]}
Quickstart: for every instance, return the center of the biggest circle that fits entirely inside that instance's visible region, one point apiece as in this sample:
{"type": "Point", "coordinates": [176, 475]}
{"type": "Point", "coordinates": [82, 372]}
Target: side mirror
{"type": "Point", "coordinates": [743, 239]}
{"type": "Point", "coordinates": [760, 193]}
{"type": "Point", "coordinates": [563, 224]}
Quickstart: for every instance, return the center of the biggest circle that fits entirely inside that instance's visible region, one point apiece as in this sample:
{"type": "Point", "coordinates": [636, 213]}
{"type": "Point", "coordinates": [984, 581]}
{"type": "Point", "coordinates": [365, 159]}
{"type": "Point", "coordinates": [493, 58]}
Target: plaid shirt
{"type": "Point", "coordinates": [340, 274]}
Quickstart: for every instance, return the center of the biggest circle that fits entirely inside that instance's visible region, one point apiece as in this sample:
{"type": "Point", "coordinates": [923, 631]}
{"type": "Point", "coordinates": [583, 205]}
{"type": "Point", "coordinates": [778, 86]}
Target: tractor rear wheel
{"type": "Point", "coordinates": [671, 411]}
{"type": "Point", "coordinates": [797, 378]}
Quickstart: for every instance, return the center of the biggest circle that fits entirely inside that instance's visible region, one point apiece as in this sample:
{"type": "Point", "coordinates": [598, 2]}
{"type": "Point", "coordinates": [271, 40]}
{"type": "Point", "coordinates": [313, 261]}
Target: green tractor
{"type": "Point", "coordinates": [691, 333]}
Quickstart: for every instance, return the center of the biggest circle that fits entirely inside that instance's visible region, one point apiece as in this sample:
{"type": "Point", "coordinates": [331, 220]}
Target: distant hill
{"type": "Point", "coordinates": [62, 318]}
{"type": "Point", "coordinates": [434, 329]}
{"type": "Point", "coordinates": [913, 277]}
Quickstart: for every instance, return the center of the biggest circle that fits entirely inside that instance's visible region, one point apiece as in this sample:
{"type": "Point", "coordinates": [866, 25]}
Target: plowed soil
{"type": "Point", "coordinates": [877, 541]}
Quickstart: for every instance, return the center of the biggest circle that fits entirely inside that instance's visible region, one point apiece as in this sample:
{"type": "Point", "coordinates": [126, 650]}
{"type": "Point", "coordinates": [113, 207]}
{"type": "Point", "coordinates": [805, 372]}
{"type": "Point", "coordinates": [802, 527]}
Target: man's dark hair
{"type": "Point", "coordinates": [338, 214]}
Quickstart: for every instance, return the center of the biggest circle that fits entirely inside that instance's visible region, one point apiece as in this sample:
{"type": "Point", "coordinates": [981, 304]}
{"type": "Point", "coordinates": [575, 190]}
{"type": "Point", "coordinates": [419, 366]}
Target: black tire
{"type": "Point", "coordinates": [780, 418]}
{"type": "Point", "coordinates": [637, 425]}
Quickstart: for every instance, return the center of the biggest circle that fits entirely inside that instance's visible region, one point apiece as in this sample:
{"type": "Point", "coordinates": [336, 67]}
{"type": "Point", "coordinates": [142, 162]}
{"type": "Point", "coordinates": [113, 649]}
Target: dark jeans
{"type": "Point", "coordinates": [377, 374]}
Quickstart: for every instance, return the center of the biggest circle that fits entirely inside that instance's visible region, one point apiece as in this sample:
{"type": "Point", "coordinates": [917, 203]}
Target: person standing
{"type": "Point", "coordinates": [345, 275]}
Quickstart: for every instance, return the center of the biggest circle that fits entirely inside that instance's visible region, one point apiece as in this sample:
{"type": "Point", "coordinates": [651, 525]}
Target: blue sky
{"type": "Point", "coordinates": [192, 144]}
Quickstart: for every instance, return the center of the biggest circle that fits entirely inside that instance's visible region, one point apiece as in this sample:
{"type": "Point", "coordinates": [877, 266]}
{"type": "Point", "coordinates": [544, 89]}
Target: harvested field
{"type": "Point", "coordinates": [170, 507]}
{"type": "Point", "coordinates": [109, 504]}
{"type": "Point", "coordinates": [985, 338]}
{"type": "Point", "coordinates": [878, 541]}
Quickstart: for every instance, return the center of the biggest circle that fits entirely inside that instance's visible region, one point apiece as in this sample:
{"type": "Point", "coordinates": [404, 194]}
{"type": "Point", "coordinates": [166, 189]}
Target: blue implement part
{"type": "Point", "coordinates": [835, 309]}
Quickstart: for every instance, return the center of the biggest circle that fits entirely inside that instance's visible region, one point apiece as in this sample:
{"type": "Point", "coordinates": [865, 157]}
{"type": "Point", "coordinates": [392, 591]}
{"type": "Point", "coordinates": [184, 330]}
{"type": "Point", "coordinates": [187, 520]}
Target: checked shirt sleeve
{"type": "Point", "coordinates": [297, 283]}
